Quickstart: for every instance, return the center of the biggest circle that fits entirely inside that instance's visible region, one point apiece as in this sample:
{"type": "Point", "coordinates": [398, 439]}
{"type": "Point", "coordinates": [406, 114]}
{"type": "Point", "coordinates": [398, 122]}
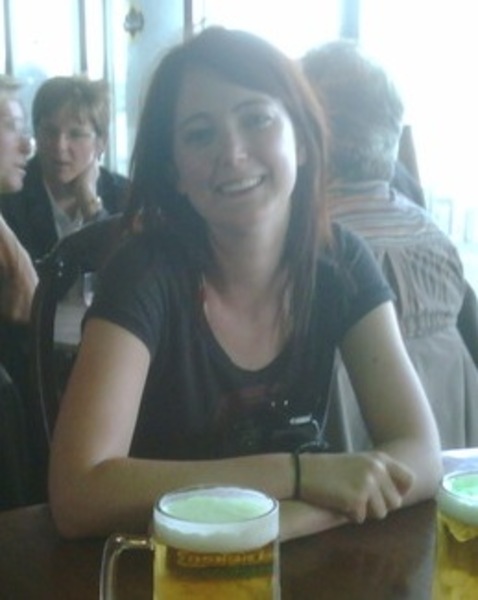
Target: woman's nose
{"type": "Point", "coordinates": [233, 146]}
{"type": "Point", "coordinates": [61, 141]}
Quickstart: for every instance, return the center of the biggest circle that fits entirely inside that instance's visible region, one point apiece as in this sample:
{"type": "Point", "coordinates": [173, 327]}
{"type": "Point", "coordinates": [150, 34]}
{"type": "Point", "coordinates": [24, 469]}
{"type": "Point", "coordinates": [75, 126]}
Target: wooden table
{"type": "Point", "coordinates": [379, 560]}
{"type": "Point", "coordinates": [375, 561]}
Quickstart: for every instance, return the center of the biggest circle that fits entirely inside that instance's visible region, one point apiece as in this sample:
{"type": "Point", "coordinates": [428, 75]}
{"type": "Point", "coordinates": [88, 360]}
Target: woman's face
{"type": "Point", "coordinates": [67, 145]}
{"type": "Point", "coordinates": [235, 151]}
{"type": "Point", "coordinates": [14, 145]}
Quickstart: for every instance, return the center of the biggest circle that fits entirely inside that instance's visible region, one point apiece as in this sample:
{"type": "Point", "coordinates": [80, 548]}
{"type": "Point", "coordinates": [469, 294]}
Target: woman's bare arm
{"type": "Point", "coordinates": [405, 465]}
{"type": "Point", "coordinates": [94, 487]}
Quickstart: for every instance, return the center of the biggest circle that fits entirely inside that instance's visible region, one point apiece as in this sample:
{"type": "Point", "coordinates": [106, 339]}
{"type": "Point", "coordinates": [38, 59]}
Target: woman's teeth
{"type": "Point", "coordinates": [239, 186]}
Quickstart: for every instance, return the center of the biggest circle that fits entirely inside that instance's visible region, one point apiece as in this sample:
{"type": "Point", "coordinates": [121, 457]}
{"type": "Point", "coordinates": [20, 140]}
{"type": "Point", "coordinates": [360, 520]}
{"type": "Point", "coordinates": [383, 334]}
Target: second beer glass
{"type": "Point", "coordinates": [456, 568]}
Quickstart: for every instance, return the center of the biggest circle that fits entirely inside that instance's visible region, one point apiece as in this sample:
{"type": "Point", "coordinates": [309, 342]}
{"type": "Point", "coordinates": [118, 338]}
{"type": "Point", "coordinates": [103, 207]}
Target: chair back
{"type": "Point", "coordinates": [85, 250]}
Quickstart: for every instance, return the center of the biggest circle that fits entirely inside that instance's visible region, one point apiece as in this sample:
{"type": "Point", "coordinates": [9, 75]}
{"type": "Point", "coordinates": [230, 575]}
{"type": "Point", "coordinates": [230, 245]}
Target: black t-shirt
{"type": "Point", "coordinates": [197, 403]}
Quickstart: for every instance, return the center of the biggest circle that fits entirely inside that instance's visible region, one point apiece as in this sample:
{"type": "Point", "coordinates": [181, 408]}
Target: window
{"type": "Point", "coordinates": [292, 26]}
{"type": "Point", "coordinates": [430, 48]}
{"type": "Point", "coordinates": [37, 51]}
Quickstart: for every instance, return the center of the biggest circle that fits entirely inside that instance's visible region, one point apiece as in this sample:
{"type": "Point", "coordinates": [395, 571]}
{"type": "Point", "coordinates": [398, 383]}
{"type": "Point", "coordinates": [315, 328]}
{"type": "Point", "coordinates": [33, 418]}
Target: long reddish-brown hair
{"type": "Point", "coordinates": [251, 62]}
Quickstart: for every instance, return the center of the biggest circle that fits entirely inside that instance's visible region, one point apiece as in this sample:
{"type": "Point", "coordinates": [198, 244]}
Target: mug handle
{"type": "Point", "coordinates": [114, 546]}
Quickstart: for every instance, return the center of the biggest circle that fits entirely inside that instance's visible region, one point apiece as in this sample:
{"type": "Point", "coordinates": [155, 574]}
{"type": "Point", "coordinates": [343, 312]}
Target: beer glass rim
{"type": "Point", "coordinates": [456, 504]}
{"type": "Point", "coordinates": [184, 491]}
{"type": "Point", "coordinates": [240, 534]}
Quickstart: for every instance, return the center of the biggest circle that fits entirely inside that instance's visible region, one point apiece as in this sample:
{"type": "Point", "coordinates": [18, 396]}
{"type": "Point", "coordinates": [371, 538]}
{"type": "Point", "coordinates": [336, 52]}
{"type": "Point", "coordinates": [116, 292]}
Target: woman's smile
{"type": "Point", "coordinates": [239, 186]}
{"type": "Point", "coordinates": [236, 144]}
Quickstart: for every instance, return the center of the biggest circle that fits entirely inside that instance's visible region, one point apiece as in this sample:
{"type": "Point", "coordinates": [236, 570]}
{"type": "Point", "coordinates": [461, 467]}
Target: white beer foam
{"type": "Point", "coordinates": [220, 519]}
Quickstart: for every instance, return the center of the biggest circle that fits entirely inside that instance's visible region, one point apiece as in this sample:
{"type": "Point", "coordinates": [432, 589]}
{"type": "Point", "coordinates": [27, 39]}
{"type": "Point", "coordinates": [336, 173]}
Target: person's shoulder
{"type": "Point", "coordinates": [343, 251]}
{"type": "Point", "coordinates": [113, 178]}
{"type": "Point", "coordinates": [147, 250]}
{"type": "Point", "coordinates": [33, 174]}
{"type": "Point", "coordinates": [349, 258]}
{"type": "Point", "coordinates": [113, 189]}
{"type": "Point", "coordinates": [345, 241]}
{"type": "Point", "coordinates": [404, 182]}
{"type": "Point", "coordinates": [419, 218]}
{"type": "Point", "coordinates": [407, 204]}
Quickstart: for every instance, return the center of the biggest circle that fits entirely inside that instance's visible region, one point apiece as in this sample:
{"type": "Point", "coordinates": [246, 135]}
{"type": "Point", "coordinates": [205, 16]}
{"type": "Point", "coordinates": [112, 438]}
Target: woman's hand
{"type": "Point", "coordinates": [84, 190]}
{"type": "Point", "coordinates": [359, 486]}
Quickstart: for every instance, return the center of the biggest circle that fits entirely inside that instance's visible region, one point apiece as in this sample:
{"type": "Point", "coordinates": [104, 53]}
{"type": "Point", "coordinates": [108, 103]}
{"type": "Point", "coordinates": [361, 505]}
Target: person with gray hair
{"type": "Point", "coordinates": [364, 109]}
{"type": "Point", "coordinates": [365, 117]}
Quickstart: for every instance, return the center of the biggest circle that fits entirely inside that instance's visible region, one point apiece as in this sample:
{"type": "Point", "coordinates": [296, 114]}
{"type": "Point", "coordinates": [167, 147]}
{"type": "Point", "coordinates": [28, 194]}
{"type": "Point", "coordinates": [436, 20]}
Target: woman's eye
{"type": "Point", "coordinates": [78, 134]}
{"type": "Point", "coordinates": [198, 136]}
{"type": "Point", "coordinates": [12, 126]}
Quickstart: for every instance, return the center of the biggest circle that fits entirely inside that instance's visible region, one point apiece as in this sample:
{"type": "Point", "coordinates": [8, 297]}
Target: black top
{"type": "Point", "coordinates": [197, 402]}
{"type": "Point", "coordinates": [29, 212]}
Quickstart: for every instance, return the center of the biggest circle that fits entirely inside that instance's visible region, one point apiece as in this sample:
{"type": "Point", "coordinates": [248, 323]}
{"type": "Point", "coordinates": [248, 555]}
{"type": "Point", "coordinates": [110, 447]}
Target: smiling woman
{"type": "Point", "coordinates": [234, 150]}
{"type": "Point", "coordinates": [207, 351]}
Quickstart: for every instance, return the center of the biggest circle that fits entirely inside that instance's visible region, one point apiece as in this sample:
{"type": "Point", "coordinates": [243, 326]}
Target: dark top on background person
{"type": "Point", "coordinates": [203, 320]}
{"type": "Point", "coordinates": [65, 187]}
{"type": "Point", "coordinates": [365, 112]}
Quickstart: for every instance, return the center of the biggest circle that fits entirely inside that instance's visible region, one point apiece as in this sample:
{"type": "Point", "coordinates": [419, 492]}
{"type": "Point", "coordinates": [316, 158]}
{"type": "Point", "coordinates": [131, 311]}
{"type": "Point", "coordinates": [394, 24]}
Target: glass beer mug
{"type": "Point", "coordinates": [456, 566]}
{"type": "Point", "coordinates": [209, 543]}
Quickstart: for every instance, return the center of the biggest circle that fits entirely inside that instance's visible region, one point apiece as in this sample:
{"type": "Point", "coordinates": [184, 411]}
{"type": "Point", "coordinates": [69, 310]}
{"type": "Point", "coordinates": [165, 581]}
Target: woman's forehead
{"type": "Point", "coordinates": [70, 113]}
{"type": "Point", "coordinates": [203, 89]}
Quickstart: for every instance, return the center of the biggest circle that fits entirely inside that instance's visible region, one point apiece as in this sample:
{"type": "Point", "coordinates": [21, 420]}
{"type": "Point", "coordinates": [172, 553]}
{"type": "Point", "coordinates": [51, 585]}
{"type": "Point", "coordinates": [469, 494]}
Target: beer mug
{"type": "Point", "coordinates": [209, 543]}
{"type": "Point", "coordinates": [456, 564]}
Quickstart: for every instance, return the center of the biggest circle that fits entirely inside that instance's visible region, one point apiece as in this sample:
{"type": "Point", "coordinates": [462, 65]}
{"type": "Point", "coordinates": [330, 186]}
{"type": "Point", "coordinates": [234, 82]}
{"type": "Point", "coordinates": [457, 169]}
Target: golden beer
{"type": "Point", "coordinates": [216, 543]}
{"type": "Point", "coordinates": [456, 568]}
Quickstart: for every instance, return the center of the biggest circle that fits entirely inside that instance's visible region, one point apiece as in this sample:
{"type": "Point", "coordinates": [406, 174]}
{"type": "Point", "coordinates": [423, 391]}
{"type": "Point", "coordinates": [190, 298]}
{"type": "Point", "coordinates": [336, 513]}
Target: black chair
{"type": "Point", "coordinates": [14, 455]}
{"type": "Point", "coordinates": [468, 322]}
{"type": "Point", "coordinates": [84, 251]}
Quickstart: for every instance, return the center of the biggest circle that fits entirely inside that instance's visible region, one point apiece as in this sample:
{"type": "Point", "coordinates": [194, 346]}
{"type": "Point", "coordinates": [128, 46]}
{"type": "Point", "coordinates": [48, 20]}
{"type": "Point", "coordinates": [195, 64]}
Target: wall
{"type": "Point", "coordinates": [163, 27]}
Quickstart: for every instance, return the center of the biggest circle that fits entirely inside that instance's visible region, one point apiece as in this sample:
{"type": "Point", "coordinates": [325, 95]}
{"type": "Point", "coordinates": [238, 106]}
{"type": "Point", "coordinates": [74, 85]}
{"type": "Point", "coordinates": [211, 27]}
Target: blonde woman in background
{"type": "Point", "coordinates": [18, 280]}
